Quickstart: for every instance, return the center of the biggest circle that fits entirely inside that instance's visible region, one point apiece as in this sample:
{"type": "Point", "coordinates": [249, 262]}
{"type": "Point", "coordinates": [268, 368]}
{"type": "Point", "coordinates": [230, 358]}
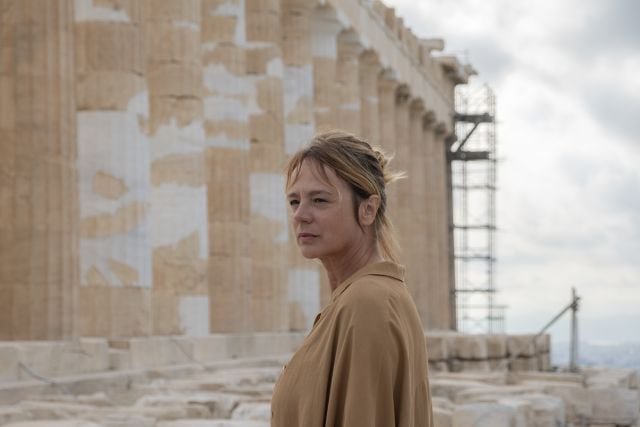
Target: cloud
{"type": "Point", "coordinates": [609, 26]}
{"type": "Point", "coordinates": [568, 102]}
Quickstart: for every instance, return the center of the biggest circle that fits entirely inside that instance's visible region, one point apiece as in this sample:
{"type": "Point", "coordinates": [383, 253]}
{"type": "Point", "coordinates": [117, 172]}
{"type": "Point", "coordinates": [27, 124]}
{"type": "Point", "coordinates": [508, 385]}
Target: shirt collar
{"type": "Point", "coordinates": [384, 268]}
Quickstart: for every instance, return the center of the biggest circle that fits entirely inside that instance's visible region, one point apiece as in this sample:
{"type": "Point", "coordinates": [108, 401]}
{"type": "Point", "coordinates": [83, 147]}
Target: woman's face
{"type": "Point", "coordinates": [322, 213]}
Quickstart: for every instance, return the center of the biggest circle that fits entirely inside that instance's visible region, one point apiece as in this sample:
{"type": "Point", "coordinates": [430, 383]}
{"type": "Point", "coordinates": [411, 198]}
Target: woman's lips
{"type": "Point", "coordinates": [305, 237]}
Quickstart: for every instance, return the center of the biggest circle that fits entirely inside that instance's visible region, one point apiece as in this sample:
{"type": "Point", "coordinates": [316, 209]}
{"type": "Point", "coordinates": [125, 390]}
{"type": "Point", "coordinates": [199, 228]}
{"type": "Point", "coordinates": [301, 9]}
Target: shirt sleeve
{"type": "Point", "coordinates": [365, 364]}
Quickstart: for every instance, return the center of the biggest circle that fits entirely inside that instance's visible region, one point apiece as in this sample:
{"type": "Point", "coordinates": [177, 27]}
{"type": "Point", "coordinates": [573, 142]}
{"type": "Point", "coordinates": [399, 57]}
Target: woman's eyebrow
{"type": "Point", "coordinates": [311, 193]}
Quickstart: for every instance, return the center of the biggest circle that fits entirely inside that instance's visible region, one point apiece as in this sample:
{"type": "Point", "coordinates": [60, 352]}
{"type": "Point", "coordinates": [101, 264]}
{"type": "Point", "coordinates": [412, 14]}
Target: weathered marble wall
{"type": "Point", "coordinates": [143, 152]}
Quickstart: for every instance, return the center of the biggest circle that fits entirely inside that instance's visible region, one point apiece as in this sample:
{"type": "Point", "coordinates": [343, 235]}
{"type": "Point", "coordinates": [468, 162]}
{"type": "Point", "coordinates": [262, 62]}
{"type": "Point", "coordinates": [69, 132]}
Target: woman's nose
{"type": "Point", "coordinates": [302, 213]}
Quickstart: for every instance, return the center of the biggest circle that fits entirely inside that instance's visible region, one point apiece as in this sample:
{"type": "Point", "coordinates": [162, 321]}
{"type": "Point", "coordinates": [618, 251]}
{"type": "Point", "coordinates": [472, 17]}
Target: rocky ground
{"type": "Point", "coordinates": [238, 395]}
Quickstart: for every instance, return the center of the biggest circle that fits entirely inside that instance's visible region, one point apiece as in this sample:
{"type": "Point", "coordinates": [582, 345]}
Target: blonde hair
{"type": "Point", "coordinates": [363, 168]}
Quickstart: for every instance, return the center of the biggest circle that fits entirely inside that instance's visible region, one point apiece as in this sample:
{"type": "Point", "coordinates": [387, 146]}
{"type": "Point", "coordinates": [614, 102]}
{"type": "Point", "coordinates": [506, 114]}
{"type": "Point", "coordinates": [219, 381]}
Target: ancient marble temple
{"type": "Point", "coordinates": [142, 152]}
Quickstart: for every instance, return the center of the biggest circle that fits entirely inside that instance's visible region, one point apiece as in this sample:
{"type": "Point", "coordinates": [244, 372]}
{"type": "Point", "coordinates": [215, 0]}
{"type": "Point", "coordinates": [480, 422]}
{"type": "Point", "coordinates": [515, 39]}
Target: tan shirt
{"type": "Point", "coordinates": [364, 362]}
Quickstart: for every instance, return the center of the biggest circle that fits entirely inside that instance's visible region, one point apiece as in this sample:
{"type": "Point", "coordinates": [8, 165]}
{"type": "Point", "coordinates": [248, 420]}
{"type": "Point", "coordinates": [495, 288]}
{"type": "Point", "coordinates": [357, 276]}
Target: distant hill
{"type": "Point", "coordinates": [624, 355]}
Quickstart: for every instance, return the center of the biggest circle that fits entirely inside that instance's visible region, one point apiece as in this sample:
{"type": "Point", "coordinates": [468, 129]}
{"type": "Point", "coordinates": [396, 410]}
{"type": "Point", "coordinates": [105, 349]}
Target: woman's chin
{"type": "Point", "coordinates": [309, 254]}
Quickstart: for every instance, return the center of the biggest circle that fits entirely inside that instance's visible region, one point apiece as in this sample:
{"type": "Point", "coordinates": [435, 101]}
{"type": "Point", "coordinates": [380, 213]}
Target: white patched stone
{"type": "Point", "coordinates": [484, 415]}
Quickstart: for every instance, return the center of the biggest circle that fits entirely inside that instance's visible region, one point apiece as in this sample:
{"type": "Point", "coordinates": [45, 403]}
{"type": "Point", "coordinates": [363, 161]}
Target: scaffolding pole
{"type": "Point", "coordinates": [472, 160]}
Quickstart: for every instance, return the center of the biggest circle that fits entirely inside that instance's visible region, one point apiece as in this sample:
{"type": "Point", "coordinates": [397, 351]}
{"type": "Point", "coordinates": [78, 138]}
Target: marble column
{"type": "Point", "coordinates": [441, 228]}
{"type": "Point", "coordinates": [303, 276]}
{"type": "Point", "coordinates": [387, 85]}
{"type": "Point", "coordinates": [401, 190]}
{"type": "Point", "coordinates": [113, 168]}
{"type": "Point", "coordinates": [179, 239]}
{"type": "Point", "coordinates": [228, 98]}
{"type": "Point", "coordinates": [38, 188]}
{"type": "Point", "coordinates": [324, 32]}
{"type": "Point", "coordinates": [369, 69]}
{"type": "Point", "coordinates": [416, 231]}
{"type": "Point", "coordinates": [269, 228]}
{"type": "Point", "coordinates": [348, 81]}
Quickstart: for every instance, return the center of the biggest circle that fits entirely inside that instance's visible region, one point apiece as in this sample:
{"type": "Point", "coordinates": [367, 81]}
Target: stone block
{"type": "Point", "coordinates": [476, 366]}
{"type": "Point", "coordinates": [10, 414]}
{"type": "Point", "coordinates": [437, 347]}
{"type": "Point", "coordinates": [494, 378]}
{"type": "Point", "coordinates": [496, 346]}
{"type": "Point", "coordinates": [547, 411]}
{"type": "Point", "coordinates": [442, 417]}
{"type": "Point", "coordinates": [220, 405]}
{"type": "Point", "coordinates": [455, 365]}
{"type": "Point", "coordinates": [499, 365]}
{"type": "Point", "coordinates": [150, 352]}
{"type": "Point", "coordinates": [544, 361]}
{"type": "Point", "coordinates": [555, 377]}
{"type": "Point", "coordinates": [60, 358]}
{"type": "Point", "coordinates": [524, 364]}
{"type": "Point", "coordinates": [9, 359]}
{"type": "Point", "coordinates": [613, 405]}
{"type": "Point", "coordinates": [521, 345]}
{"type": "Point", "coordinates": [616, 377]}
{"type": "Point", "coordinates": [210, 348]}
{"type": "Point", "coordinates": [449, 388]}
{"type": "Point", "coordinates": [213, 423]}
{"type": "Point", "coordinates": [442, 403]}
{"type": "Point", "coordinates": [484, 415]}
{"type": "Point", "coordinates": [523, 409]}
{"type": "Point", "coordinates": [119, 360]}
{"type": "Point", "coordinates": [573, 395]}
{"type": "Point", "coordinates": [253, 411]}
{"type": "Point", "coordinates": [51, 423]}
{"type": "Point", "coordinates": [543, 343]}
{"type": "Point", "coordinates": [470, 347]}
{"type": "Point", "coordinates": [488, 393]}
{"type": "Point", "coordinates": [438, 367]}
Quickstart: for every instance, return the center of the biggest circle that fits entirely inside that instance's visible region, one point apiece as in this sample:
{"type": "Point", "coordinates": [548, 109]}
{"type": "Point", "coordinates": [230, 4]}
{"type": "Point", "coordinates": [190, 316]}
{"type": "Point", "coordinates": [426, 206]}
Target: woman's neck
{"type": "Point", "coordinates": [339, 268]}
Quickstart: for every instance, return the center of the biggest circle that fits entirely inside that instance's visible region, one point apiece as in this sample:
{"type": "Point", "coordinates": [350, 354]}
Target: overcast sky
{"type": "Point", "coordinates": [567, 80]}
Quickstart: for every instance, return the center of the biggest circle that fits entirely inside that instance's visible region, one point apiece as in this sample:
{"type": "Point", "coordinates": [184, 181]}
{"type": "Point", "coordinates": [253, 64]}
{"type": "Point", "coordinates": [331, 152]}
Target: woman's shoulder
{"type": "Point", "coordinates": [372, 292]}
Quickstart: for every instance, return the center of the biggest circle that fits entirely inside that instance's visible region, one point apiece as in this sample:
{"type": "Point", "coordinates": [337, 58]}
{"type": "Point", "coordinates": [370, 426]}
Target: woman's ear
{"type": "Point", "coordinates": [368, 210]}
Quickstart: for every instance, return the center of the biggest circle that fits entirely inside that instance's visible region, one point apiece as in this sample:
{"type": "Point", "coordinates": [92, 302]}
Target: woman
{"type": "Point", "coordinates": [364, 362]}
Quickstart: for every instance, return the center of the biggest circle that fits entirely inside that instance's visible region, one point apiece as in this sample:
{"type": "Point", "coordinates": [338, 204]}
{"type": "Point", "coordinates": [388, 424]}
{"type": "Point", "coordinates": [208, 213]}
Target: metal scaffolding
{"type": "Point", "coordinates": [473, 179]}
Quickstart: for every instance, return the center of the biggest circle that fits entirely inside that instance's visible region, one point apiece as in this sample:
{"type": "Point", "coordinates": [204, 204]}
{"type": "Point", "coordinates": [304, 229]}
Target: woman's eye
{"type": "Point", "coordinates": [318, 200]}
{"type": "Point", "coordinates": [293, 203]}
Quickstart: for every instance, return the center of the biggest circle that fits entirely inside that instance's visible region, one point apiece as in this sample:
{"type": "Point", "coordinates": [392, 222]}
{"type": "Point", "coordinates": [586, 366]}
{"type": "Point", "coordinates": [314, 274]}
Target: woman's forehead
{"type": "Point", "coordinates": [314, 170]}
